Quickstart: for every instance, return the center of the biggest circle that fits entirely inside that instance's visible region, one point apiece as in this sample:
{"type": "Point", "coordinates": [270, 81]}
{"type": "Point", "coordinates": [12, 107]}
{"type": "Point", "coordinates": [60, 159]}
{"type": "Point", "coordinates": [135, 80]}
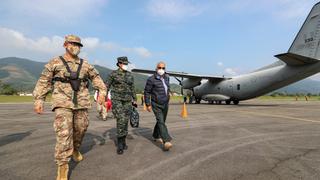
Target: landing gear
{"type": "Point", "coordinates": [191, 99]}
{"type": "Point", "coordinates": [198, 101]}
{"type": "Point", "coordinates": [228, 102]}
{"type": "Point", "coordinates": [235, 102]}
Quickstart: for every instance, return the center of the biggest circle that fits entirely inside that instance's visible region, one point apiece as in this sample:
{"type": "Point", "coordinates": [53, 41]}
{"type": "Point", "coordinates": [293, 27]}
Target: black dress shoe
{"type": "Point", "coordinates": [120, 151]}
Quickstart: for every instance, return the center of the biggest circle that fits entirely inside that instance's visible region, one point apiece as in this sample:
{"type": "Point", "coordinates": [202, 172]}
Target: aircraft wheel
{"type": "Point", "coordinates": [228, 102]}
{"type": "Point", "coordinates": [219, 102]}
{"type": "Point", "coordinates": [235, 102]}
{"type": "Point", "coordinates": [198, 101]}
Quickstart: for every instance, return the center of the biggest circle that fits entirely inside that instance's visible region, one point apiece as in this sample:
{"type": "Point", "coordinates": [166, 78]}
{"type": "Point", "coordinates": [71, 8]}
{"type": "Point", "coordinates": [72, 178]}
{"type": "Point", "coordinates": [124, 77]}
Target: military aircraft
{"type": "Point", "coordinates": [302, 60]}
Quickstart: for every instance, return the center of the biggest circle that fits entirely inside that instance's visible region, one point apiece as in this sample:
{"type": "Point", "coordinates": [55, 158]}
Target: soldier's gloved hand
{"type": "Point", "coordinates": [101, 100]}
{"type": "Point", "coordinates": [149, 108]}
{"type": "Point", "coordinates": [38, 108]}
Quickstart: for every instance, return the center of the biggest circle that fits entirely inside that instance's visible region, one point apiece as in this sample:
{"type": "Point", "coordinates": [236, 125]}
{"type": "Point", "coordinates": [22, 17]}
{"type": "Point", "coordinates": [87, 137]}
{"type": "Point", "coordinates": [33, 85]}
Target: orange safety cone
{"type": "Point", "coordinates": [184, 113]}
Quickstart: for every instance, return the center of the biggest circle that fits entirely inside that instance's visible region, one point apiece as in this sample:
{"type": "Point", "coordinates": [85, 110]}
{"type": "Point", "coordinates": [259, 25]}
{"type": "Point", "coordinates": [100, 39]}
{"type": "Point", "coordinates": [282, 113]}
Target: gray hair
{"type": "Point", "coordinates": [160, 62]}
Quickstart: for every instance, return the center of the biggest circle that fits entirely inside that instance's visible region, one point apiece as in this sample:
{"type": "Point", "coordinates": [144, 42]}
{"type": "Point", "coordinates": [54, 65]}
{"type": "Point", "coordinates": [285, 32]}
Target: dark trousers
{"type": "Point", "coordinates": [160, 129]}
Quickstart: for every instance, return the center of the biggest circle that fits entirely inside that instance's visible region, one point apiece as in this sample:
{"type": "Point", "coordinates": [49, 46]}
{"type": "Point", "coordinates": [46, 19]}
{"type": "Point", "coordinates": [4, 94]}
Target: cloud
{"type": "Point", "coordinates": [174, 10]}
{"type": "Point", "coordinates": [179, 10]}
{"type": "Point", "coordinates": [220, 64]}
{"type": "Point", "coordinates": [15, 43]}
{"type": "Point", "coordinates": [141, 51]}
{"type": "Point", "coordinates": [52, 9]}
{"type": "Point", "coordinates": [231, 71]}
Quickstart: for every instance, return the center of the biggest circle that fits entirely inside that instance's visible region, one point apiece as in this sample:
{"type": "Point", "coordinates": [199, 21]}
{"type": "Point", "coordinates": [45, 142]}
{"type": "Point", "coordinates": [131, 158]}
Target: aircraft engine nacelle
{"type": "Point", "coordinates": [191, 83]}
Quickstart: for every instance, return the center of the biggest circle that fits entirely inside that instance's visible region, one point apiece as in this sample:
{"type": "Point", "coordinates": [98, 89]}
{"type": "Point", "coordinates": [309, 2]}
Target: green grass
{"type": "Point", "coordinates": [15, 99]}
{"type": "Point", "coordinates": [172, 99]}
{"type": "Point", "coordinates": [299, 98]}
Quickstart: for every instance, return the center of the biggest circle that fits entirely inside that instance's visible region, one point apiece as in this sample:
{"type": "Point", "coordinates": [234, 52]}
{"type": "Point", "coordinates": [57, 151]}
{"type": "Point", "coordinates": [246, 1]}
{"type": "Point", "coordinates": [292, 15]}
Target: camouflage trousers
{"type": "Point", "coordinates": [70, 127]}
{"type": "Point", "coordinates": [102, 110]}
{"type": "Point", "coordinates": [121, 111]}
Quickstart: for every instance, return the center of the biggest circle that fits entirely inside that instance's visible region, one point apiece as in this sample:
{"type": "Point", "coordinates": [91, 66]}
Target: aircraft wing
{"type": "Point", "coordinates": [182, 74]}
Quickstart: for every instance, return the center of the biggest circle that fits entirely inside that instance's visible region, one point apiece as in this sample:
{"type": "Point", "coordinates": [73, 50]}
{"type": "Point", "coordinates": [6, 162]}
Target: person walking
{"type": "Point", "coordinates": [156, 97]}
{"type": "Point", "coordinates": [68, 76]}
{"type": "Point", "coordinates": [123, 97]}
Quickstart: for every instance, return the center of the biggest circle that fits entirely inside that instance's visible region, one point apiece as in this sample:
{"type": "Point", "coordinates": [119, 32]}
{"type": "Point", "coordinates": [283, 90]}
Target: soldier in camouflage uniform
{"type": "Point", "coordinates": [123, 96]}
{"type": "Point", "coordinates": [70, 102]}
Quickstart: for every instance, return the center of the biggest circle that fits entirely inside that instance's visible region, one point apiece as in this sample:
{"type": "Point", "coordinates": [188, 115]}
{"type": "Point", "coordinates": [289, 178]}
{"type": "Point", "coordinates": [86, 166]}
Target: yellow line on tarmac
{"type": "Point", "coordinates": [280, 116]}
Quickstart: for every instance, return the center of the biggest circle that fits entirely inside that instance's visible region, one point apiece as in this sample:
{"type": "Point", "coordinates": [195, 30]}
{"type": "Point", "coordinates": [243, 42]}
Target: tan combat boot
{"type": "Point", "coordinates": [77, 156]}
{"type": "Point", "coordinates": [63, 172]}
{"type": "Point", "coordinates": [167, 146]}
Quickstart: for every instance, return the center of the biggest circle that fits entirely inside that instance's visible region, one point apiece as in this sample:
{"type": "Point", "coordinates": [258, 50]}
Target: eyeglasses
{"type": "Point", "coordinates": [161, 68]}
{"type": "Point", "coordinates": [74, 44]}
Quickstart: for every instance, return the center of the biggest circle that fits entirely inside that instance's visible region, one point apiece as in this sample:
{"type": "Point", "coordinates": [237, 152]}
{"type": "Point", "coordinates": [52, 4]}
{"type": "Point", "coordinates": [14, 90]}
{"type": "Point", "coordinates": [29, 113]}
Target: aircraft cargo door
{"type": "Point", "coordinates": [229, 88]}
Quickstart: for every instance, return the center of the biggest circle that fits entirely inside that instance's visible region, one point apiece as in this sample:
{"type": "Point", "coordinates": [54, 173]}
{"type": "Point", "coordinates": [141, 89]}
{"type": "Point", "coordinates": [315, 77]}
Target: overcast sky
{"type": "Point", "coordinates": [216, 37]}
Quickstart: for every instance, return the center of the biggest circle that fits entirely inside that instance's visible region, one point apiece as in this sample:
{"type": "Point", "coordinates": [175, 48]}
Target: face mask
{"type": "Point", "coordinates": [160, 72]}
{"type": "Point", "coordinates": [74, 50]}
{"type": "Point", "coordinates": [124, 67]}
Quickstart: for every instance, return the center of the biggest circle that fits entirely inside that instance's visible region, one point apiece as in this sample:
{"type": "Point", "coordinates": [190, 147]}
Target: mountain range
{"type": "Point", "coordinates": [22, 74]}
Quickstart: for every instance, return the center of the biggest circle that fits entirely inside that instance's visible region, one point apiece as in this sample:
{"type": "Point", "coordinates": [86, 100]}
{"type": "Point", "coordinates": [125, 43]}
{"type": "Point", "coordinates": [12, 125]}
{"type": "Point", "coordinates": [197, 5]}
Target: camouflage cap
{"type": "Point", "coordinates": [123, 60]}
{"type": "Point", "coordinates": [73, 38]}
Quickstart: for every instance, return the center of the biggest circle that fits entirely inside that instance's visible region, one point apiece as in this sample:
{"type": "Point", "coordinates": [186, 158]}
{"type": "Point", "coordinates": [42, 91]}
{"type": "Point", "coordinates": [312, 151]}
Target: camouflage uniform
{"type": "Point", "coordinates": [71, 119]}
{"type": "Point", "coordinates": [121, 84]}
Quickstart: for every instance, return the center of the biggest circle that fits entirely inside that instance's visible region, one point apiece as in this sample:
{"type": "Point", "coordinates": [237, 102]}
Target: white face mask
{"type": "Point", "coordinates": [160, 72]}
{"type": "Point", "coordinates": [124, 67]}
{"type": "Point", "coordinates": [74, 50]}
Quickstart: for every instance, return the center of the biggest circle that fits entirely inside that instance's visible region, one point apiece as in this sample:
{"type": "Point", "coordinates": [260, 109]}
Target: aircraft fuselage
{"type": "Point", "coordinates": [257, 83]}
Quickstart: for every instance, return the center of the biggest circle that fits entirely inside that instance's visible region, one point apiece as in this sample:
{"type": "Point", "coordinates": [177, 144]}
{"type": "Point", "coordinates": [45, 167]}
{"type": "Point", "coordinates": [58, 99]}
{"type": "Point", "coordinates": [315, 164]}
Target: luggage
{"type": "Point", "coordinates": [134, 118]}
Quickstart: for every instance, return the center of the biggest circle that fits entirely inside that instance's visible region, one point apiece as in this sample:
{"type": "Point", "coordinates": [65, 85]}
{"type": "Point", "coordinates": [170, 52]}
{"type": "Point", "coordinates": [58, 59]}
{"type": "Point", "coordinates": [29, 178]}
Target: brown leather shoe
{"type": "Point", "coordinates": [167, 146]}
{"type": "Point", "coordinates": [63, 171]}
{"type": "Point", "coordinates": [77, 156]}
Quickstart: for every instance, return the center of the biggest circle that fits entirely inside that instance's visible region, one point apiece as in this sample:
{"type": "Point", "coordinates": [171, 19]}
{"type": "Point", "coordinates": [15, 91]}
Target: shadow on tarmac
{"type": "Point", "coordinates": [147, 134]}
{"type": "Point", "coordinates": [89, 141]}
{"type": "Point", "coordinates": [14, 137]}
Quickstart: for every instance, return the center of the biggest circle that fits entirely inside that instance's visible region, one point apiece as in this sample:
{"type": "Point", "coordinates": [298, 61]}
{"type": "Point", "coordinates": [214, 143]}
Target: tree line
{"type": "Point", "coordinates": [283, 94]}
{"type": "Point", "coordinates": [7, 89]}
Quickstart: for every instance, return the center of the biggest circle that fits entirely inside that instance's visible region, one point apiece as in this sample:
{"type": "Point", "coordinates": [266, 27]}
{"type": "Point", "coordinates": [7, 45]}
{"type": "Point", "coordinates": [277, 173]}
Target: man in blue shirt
{"type": "Point", "coordinates": [156, 95]}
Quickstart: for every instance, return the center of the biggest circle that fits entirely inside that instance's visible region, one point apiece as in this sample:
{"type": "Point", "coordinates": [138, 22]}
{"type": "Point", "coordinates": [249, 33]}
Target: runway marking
{"type": "Point", "coordinates": [197, 162]}
{"type": "Point", "coordinates": [279, 116]}
{"type": "Point", "coordinates": [243, 143]}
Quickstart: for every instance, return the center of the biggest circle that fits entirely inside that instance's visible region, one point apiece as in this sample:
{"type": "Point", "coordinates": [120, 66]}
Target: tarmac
{"type": "Point", "coordinates": [258, 139]}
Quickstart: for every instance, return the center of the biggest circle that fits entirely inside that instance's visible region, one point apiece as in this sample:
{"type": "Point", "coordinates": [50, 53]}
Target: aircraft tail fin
{"type": "Point", "coordinates": [295, 59]}
{"type": "Point", "coordinates": [307, 40]}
